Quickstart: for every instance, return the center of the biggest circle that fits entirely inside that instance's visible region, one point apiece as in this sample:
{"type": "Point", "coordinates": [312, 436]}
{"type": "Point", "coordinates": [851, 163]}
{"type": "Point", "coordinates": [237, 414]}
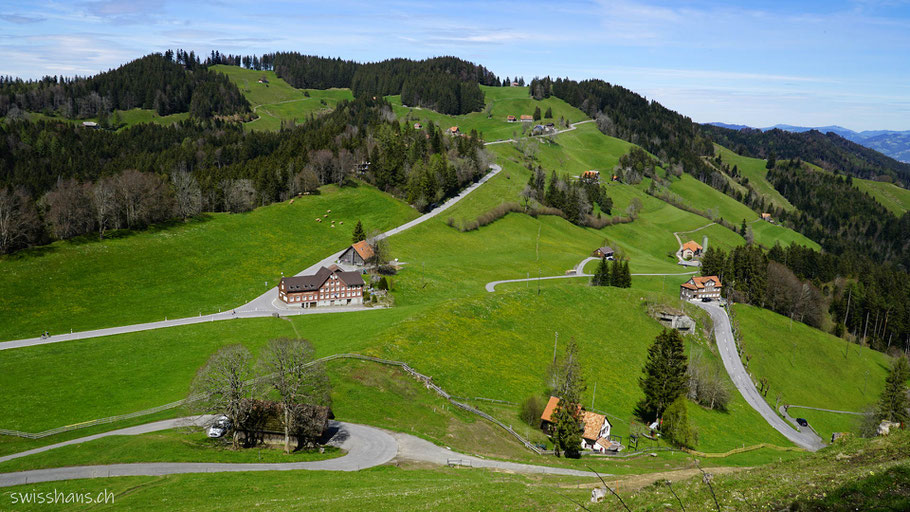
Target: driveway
{"type": "Point", "coordinates": [740, 377]}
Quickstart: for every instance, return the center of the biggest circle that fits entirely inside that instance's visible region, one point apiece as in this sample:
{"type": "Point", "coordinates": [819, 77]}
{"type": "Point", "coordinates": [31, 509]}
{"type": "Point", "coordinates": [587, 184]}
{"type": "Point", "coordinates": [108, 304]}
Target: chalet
{"type": "Point", "coordinates": [526, 118]}
{"type": "Point", "coordinates": [595, 428]}
{"type": "Point", "coordinates": [767, 217]}
{"type": "Point", "coordinates": [592, 177]}
{"type": "Point", "coordinates": [691, 249]}
{"type": "Point", "coordinates": [329, 286]}
{"type": "Point", "coordinates": [454, 130]}
{"type": "Point", "coordinates": [417, 126]}
{"type": "Point", "coordinates": [704, 287]}
{"type": "Point", "coordinates": [511, 119]}
{"type": "Point", "coordinates": [603, 252]}
{"type": "Point", "coordinates": [265, 424]}
{"type": "Point", "coordinates": [357, 254]}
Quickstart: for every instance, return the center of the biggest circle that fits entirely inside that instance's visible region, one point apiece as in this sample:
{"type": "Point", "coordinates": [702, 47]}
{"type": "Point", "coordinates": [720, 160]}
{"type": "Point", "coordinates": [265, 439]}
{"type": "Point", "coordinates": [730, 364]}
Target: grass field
{"type": "Point", "coordinates": [278, 101]}
{"type": "Point", "coordinates": [491, 123]}
{"type": "Point", "coordinates": [754, 169]}
{"type": "Point", "coordinates": [216, 262]}
{"type": "Point", "coordinates": [127, 117]}
{"type": "Point", "coordinates": [812, 368]}
{"type": "Point", "coordinates": [892, 197]}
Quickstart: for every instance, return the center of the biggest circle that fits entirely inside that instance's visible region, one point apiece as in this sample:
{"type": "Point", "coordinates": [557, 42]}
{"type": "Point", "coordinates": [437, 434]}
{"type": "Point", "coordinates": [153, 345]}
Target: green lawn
{"type": "Point", "coordinates": [892, 197]}
{"type": "Point", "coordinates": [809, 367]}
{"type": "Point", "coordinates": [754, 169]}
{"type": "Point", "coordinates": [278, 101]}
{"type": "Point", "coordinates": [218, 261]}
{"type": "Point", "coordinates": [491, 123]}
{"type": "Point", "coordinates": [182, 445]}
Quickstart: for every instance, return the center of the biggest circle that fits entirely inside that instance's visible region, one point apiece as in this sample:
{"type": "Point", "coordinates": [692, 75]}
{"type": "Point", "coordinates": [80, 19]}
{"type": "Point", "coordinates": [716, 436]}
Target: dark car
{"type": "Point", "coordinates": [802, 422]}
{"type": "Point", "coordinates": [706, 299]}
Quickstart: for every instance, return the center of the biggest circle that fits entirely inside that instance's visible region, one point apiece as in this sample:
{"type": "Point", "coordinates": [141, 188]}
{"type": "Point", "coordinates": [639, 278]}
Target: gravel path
{"type": "Point", "coordinates": [727, 348]}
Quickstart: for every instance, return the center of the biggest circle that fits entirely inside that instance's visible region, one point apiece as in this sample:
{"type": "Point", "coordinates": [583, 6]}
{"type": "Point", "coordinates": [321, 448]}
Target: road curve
{"type": "Point", "coordinates": [366, 447]}
{"type": "Point", "coordinates": [262, 306]}
{"type": "Point", "coordinates": [723, 333]}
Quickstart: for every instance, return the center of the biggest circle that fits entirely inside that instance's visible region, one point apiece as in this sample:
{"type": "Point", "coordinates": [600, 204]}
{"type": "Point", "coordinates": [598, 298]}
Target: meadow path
{"type": "Point", "coordinates": [726, 345]}
{"type": "Point", "coordinates": [578, 272]}
{"type": "Point", "coordinates": [366, 447]}
{"type": "Point", "coordinates": [265, 305]}
{"type": "Point", "coordinates": [557, 132]}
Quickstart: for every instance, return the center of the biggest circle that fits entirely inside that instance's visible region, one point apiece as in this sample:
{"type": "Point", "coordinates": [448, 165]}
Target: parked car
{"type": "Point", "coordinates": [219, 427]}
{"type": "Point", "coordinates": [802, 422]}
{"type": "Point", "coordinates": [706, 299]}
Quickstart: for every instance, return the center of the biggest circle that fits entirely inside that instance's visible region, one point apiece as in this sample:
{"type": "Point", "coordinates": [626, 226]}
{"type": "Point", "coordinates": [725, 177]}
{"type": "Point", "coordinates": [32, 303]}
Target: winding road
{"type": "Point", "coordinates": [743, 382]}
{"type": "Point", "coordinates": [366, 447]}
{"type": "Point", "coordinates": [266, 304]}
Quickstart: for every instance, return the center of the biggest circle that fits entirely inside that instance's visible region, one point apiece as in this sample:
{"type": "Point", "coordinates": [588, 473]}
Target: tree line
{"type": "Point", "coordinates": [840, 217]}
{"type": "Point", "coordinates": [167, 83]}
{"type": "Point", "coordinates": [829, 151]}
{"type": "Point", "coordinates": [575, 199]}
{"type": "Point", "coordinates": [865, 301]}
{"type": "Point", "coordinates": [58, 181]}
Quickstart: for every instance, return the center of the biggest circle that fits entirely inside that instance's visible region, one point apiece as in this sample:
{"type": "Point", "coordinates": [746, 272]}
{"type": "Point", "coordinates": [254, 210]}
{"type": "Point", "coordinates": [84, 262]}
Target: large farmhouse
{"type": "Point", "coordinates": [357, 254]}
{"type": "Point", "coordinates": [691, 249]}
{"type": "Point", "coordinates": [330, 286]}
{"type": "Point", "coordinates": [595, 428]}
{"type": "Point", "coordinates": [703, 287]}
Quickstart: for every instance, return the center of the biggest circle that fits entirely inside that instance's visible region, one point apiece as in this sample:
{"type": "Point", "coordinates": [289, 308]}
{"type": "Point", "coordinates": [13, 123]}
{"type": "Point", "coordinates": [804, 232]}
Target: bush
{"type": "Point", "coordinates": [383, 284]}
{"type": "Point", "coordinates": [531, 409]}
{"type": "Point", "coordinates": [675, 426]}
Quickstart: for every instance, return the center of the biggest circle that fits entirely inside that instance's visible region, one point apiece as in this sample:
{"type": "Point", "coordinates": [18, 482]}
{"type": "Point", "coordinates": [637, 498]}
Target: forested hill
{"type": "Point", "coordinates": [621, 113]}
{"type": "Point", "coordinates": [167, 83]}
{"type": "Point", "coordinates": [829, 151]}
{"type": "Point", "coordinates": [446, 84]}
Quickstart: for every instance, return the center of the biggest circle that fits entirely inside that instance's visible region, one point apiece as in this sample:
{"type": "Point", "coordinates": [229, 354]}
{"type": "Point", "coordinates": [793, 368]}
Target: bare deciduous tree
{"type": "Point", "coordinates": [239, 195]}
{"type": "Point", "coordinates": [223, 385]}
{"type": "Point", "coordinates": [104, 204]}
{"type": "Point", "coordinates": [18, 219]}
{"type": "Point", "coordinates": [299, 383]}
{"type": "Point", "coordinates": [187, 193]}
{"type": "Point", "coordinates": [143, 197]}
{"type": "Point", "coordinates": [68, 209]}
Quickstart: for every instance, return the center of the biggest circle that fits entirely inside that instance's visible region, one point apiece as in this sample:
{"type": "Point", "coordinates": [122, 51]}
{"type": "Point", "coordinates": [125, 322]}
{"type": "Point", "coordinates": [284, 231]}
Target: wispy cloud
{"type": "Point", "coordinates": [21, 19]}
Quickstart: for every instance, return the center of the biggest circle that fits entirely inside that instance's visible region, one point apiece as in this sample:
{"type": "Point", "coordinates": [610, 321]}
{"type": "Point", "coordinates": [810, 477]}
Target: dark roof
{"type": "Point", "coordinates": [315, 281]}
{"type": "Point", "coordinates": [605, 249]}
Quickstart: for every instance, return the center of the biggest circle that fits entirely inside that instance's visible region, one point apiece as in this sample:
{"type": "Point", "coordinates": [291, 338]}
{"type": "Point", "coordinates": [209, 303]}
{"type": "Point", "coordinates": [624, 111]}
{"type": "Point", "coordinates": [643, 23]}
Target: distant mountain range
{"type": "Point", "coordinates": [888, 142]}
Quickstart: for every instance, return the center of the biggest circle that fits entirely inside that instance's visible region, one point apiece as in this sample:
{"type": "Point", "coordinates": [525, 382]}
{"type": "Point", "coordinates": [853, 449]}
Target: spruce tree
{"type": "Point", "coordinates": [359, 234]}
{"type": "Point", "coordinates": [616, 278]}
{"type": "Point", "coordinates": [742, 229]}
{"type": "Point", "coordinates": [566, 432]}
{"type": "Point", "coordinates": [894, 403]}
{"type": "Point", "coordinates": [664, 378]}
{"type": "Point", "coordinates": [537, 113]}
{"type": "Point", "coordinates": [602, 274]}
{"type": "Point", "coordinates": [626, 275]}
{"type": "Point", "coordinates": [549, 113]}
{"type": "Point", "coordinates": [567, 383]}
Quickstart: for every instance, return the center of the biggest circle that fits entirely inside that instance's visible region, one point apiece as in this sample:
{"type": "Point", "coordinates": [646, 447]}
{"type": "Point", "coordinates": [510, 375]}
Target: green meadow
{"type": "Point", "coordinates": [892, 197]}
{"type": "Point", "coordinates": [754, 169]}
{"type": "Point", "coordinates": [216, 261]}
{"type": "Point", "coordinates": [491, 123]}
{"type": "Point", "coordinates": [278, 101]}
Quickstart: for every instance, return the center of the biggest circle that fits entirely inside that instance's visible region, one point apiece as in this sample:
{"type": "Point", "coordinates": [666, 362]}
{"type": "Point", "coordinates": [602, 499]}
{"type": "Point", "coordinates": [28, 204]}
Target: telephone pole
{"type": "Point", "coordinates": [554, 347]}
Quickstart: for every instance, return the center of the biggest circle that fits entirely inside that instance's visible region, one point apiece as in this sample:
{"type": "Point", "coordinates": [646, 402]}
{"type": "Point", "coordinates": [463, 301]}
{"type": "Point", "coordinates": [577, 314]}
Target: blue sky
{"type": "Point", "coordinates": [758, 63]}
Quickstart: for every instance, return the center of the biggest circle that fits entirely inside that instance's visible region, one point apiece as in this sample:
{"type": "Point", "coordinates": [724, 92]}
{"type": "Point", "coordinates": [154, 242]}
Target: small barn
{"type": "Point", "coordinates": [691, 249]}
{"type": "Point", "coordinates": [357, 254]}
{"type": "Point", "coordinates": [603, 252]}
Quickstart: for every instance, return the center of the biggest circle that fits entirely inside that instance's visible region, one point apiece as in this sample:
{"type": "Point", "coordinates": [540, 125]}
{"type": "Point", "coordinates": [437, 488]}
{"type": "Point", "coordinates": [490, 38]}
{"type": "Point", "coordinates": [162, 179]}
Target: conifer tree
{"type": "Point", "coordinates": [567, 383]}
{"type": "Point", "coordinates": [549, 113]}
{"type": "Point", "coordinates": [616, 278]}
{"type": "Point", "coordinates": [626, 276]}
{"type": "Point", "coordinates": [894, 403]}
{"type": "Point", "coordinates": [602, 274]}
{"type": "Point", "coordinates": [359, 235]}
{"type": "Point", "coordinates": [537, 113]}
{"type": "Point", "coordinates": [664, 378]}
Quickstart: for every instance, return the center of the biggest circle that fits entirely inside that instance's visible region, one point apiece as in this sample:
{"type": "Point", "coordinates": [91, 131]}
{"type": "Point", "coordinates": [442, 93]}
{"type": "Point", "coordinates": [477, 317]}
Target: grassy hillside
{"type": "Point", "coordinates": [892, 197]}
{"type": "Point", "coordinates": [127, 117]}
{"type": "Point", "coordinates": [754, 169]}
{"type": "Point", "coordinates": [491, 122]}
{"type": "Point", "coordinates": [278, 101]}
{"type": "Point", "coordinates": [217, 261]}
{"type": "Point", "coordinates": [811, 368]}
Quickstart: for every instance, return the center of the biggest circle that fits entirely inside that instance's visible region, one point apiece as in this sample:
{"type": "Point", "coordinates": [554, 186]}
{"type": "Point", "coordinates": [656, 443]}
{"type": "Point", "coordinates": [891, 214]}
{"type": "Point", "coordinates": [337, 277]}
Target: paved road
{"type": "Point", "coordinates": [728, 353]}
{"type": "Point", "coordinates": [265, 305]}
{"type": "Point", "coordinates": [365, 446]}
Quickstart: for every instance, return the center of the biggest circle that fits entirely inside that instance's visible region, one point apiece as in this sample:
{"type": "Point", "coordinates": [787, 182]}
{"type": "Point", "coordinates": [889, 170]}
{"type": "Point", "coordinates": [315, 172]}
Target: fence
{"type": "Point", "coordinates": [427, 381]}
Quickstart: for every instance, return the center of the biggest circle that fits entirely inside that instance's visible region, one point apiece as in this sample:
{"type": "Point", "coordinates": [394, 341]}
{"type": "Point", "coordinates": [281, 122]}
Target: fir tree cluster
{"type": "Point", "coordinates": [616, 273]}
